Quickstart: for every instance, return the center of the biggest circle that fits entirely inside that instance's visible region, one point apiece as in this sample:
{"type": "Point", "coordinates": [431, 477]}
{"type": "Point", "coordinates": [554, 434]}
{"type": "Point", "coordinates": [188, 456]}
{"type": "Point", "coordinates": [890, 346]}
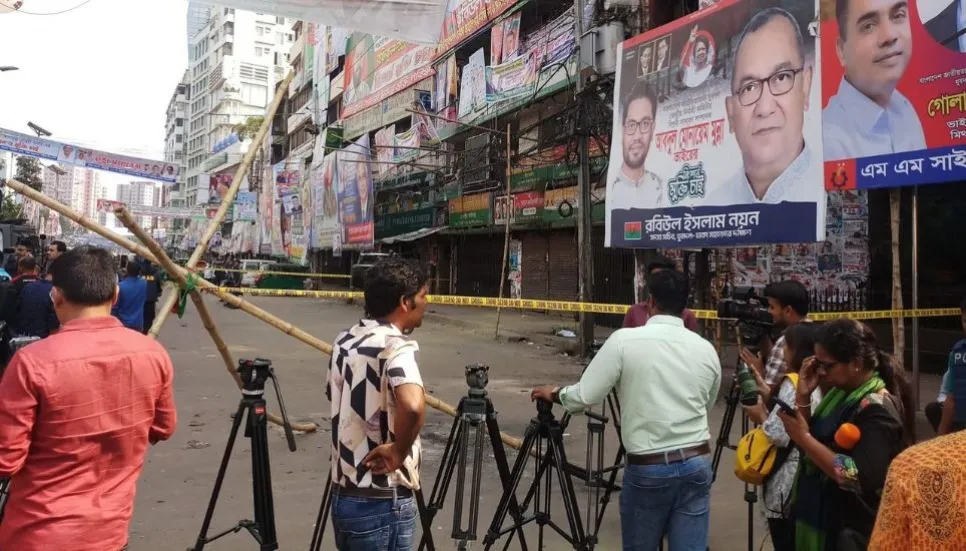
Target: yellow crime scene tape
{"type": "Point", "coordinates": [591, 307]}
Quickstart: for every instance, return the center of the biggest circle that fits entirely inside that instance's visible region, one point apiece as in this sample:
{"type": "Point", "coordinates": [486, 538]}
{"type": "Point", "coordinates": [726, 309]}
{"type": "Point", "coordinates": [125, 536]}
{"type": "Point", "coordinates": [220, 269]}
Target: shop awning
{"type": "Point", "coordinates": [411, 236]}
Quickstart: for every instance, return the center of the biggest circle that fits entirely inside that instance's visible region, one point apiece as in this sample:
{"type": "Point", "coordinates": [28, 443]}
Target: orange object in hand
{"type": "Point", "coordinates": [847, 436]}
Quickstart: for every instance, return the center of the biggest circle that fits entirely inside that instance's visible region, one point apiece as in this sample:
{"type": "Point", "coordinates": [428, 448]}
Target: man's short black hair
{"type": "Point", "coordinates": [388, 282]}
{"type": "Point", "coordinates": [669, 289]}
{"type": "Point", "coordinates": [61, 246]}
{"type": "Point", "coordinates": [640, 90]}
{"type": "Point", "coordinates": [85, 276]}
{"type": "Point", "coordinates": [789, 293]}
{"type": "Point", "coordinates": [27, 264]}
{"type": "Point", "coordinates": [661, 263]}
{"type": "Point", "coordinates": [133, 269]}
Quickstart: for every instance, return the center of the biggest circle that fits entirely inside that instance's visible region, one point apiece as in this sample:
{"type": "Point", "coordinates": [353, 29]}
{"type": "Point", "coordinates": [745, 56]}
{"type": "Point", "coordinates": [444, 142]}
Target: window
{"type": "Point", "coordinates": [178, 139]}
{"type": "Point", "coordinates": [260, 31]}
{"type": "Point", "coordinates": [179, 122]}
{"type": "Point", "coordinates": [258, 51]}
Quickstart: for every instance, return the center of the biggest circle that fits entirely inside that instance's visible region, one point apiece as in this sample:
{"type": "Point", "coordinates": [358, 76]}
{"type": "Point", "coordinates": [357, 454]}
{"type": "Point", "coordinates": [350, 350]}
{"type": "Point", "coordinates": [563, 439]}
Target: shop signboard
{"type": "Point", "coordinates": [470, 210]}
{"type": "Point", "coordinates": [527, 207]}
{"type": "Point", "coordinates": [560, 204]}
{"type": "Point", "coordinates": [397, 223]}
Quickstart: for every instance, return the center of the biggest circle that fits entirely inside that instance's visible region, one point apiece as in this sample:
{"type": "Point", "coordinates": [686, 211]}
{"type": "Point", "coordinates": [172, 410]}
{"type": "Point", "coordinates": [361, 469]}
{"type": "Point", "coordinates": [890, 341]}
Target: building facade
{"type": "Point", "coordinates": [176, 151]}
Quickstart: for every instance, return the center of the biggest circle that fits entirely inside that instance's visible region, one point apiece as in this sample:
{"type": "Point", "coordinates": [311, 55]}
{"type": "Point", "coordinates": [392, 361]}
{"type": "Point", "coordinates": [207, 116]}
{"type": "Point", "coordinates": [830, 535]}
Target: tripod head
{"type": "Point", "coordinates": [477, 378]}
{"type": "Point", "coordinates": [254, 374]}
{"type": "Point", "coordinates": [544, 411]}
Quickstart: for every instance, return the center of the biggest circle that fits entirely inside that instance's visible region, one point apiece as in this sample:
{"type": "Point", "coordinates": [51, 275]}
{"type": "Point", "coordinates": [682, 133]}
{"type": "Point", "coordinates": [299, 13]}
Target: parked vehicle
{"type": "Point", "coordinates": [252, 265]}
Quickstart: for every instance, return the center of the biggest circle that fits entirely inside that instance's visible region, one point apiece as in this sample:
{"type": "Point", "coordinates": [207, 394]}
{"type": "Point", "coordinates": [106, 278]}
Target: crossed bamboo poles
{"type": "Point", "coordinates": [186, 278]}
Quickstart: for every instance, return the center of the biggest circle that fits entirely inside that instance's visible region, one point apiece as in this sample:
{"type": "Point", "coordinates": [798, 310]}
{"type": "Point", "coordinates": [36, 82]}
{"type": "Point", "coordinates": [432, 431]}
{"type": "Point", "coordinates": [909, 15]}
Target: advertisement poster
{"type": "Point", "coordinates": [406, 145]}
{"type": "Point", "coordinates": [378, 67]}
{"type": "Point", "coordinates": [385, 150]}
{"type": "Point", "coordinates": [516, 268]}
{"type": "Point", "coordinates": [503, 209]}
{"type": "Point", "coordinates": [355, 194]}
{"type": "Point", "coordinates": [889, 121]}
{"type": "Point", "coordinates": [465, 17]}
{"type": "Point", "coordinates": [554, 43]}
{"type": "Point", "coordinates": [325, 203]}
{"type": "Point", "coordinates": [446, 82]}
{"type": "Point", "coordinates": [512, 79]}
{"type": "Point", "coordinates": [717, 139]}
{"type": "Point", "coordinates": [218, 185]}
{"type": "Point", "coordinates": [266, 204]}
{"type": "Point", "coordinates": [496, 44]}
{"type": "Point", "coordinates": [32, 146]}
{"type": "Point", "coordinates": [107, 205]}
{"type": "Point", "coordinates": [472, 100]}
{"type": "Point", "coordinates": [280, 175]}
{"type": "Point", "coordinates": [511, 39]}
{"type": "Point", "coordinates": [335, 39]}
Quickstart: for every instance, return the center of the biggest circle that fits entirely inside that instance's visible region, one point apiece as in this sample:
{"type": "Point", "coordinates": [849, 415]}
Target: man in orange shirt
{"type": "Point", "coordinates": [79, 409]}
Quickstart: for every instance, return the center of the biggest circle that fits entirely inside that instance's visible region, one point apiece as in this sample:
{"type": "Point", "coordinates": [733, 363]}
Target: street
{"type": "Point", "coordinates": [178, 475]}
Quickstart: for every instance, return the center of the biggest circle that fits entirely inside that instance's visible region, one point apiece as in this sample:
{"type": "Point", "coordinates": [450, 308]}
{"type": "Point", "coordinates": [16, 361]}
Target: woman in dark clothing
{"type": "Point", "coordinates": [849, 440]}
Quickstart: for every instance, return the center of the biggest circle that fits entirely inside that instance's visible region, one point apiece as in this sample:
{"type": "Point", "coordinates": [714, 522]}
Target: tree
{"type": "Point", "coordinates": [10, 210]}
{"type": "Point", "coordinates": [28, 172]}
{"type": "Point", "coordinates": [249, 128]}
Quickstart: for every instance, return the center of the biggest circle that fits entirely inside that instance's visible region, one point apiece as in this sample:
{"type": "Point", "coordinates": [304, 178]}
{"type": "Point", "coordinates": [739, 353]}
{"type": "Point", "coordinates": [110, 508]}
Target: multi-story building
{"type": "Point", "coordinates": [176, 150]}
{"type": "Point", "coordinates": [233, 64]}
{"type": "Point", "coordinates": [59, 182]}
{"type": "Point", "coordinates": [139, 193]}
{"type": "Point", "coordinates": [84, 195]}
{"type": "Point", "coordinates": [100, 192]}
{"type": "Point", "coordinates": [199, 13]}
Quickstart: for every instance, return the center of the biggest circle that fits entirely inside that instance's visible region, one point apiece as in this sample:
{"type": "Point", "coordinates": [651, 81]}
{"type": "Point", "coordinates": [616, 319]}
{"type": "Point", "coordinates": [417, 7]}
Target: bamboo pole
{"type": "Point", "coordinates": [244, 305]}
{"type": "Point", "coordinates": [125, 217]}
{"type": "Point", "coordinates": [898, 325]}
{"type": "Point", "coordinates": [226, 201]}
{"type": "Point", "coordinates": [506, 232]}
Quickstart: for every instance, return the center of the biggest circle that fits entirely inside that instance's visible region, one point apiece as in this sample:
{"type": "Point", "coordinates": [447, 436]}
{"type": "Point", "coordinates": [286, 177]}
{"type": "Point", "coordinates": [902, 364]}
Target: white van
{"type": "Point", "coordinates": [250, 266]}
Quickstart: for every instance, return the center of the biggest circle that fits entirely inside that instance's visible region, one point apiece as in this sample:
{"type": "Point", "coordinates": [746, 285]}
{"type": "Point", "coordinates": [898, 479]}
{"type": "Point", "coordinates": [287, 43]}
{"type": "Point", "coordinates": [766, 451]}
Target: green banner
{"type": "Point", "coordinates": [529, 178]}
{"type": "Point", "coordinates": [397, 223]}
{"type": "Point", "coordinates": [468, 219]}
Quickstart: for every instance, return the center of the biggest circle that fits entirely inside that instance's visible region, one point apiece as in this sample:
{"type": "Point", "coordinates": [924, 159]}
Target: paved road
{"type": "Point", "coordinates": [178, 475]}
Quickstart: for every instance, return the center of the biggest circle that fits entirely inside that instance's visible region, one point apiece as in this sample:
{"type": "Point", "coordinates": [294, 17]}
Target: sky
{"type": "Point", "coordinates": [99, 76]}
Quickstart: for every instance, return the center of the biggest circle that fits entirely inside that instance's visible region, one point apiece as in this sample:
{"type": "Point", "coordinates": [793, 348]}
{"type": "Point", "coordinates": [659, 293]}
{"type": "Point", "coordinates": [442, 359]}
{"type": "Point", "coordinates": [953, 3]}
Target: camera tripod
{"type": "Point", "coordinates": [723, 442]}
{"type": "Point", "coordinates": [543, 427]}
{"type": "Point", "coordinates": [254, 374]}
{"type": "Point", "coordinates": [474, 410]}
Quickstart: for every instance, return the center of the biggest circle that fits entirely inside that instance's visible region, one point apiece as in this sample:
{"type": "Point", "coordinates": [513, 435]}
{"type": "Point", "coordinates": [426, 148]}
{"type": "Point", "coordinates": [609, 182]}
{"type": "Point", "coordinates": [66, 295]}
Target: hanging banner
{"type": "Point", "coordinates": [355, 194]}
{"type": "Point", "coordinates": [512, 79]}
{"type": "Point", "coordinates": [377, 67]}
{"type": "Point", "coordinates": [465, 17]}
{"type": "Point", "coordinates": [385, 149]}
{"type": "Point", "coordinates": [325, 204]}
{"type": "Point", "coordinates": [31, 146]}
{"type": "Point", "coordinates": [107, 205]}
{"type": "Point", "coordinates": [245, 206]}
{"type": "Point", "coordinates": [702, 156]}
{"type": "Point", "coordinates": [554, 42]}
{"type": "Point", "coordinates": [410, 20]}
{"type": "Point", "coordinates": [472, 101]}
{"type": "Point", "coordinates": [889, 121]}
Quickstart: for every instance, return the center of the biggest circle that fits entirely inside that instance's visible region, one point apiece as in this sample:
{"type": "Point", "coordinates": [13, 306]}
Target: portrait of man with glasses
{"type": "Point", "coordinates": [635, 186]}
{"type": "Point", "coordinates": [771, 81]}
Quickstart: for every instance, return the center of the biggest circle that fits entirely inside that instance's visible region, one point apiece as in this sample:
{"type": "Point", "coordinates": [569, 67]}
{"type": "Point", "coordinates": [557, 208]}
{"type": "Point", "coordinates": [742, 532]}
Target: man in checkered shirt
{"type": "Point", "coordinates": [788, 305]}
{"type": "Point", "coordinates": [378, 408]}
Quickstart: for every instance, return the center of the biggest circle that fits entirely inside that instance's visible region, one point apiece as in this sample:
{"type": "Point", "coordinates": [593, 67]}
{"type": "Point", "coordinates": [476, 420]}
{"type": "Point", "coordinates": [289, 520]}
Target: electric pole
{"type": "Point", "coordinates": [585, 261]}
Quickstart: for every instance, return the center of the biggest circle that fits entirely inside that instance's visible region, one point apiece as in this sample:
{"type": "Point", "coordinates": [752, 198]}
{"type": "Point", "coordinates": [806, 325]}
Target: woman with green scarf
{"type": "Point", "coordinates": [840, 477]}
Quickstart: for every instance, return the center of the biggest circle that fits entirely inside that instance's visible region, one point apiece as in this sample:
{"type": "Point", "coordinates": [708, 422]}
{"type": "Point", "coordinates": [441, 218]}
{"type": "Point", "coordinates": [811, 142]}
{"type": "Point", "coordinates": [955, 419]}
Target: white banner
{"type": "Point", "coordinates": [107, 205]}
{"type": "Point", "coordinates": [410, 20]}
{"type": "Point", "coordinates": [32, 146]}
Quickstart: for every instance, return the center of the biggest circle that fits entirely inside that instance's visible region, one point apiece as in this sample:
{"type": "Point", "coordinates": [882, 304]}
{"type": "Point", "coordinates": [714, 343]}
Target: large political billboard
{"type": "Point", "coordinates": [889, 121]}
{"type": "Point", "coordinates": [717, 133]}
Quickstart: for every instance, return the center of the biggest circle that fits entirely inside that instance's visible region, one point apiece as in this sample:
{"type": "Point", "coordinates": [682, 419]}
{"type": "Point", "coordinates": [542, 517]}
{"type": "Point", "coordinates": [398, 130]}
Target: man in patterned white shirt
{"type": "Point", "coordinates": [378, 408]}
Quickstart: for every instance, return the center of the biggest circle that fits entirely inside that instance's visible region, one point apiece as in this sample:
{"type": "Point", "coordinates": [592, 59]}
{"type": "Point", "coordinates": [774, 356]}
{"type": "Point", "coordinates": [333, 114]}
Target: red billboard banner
{"type": "Point", "coordinates": [465, 17]}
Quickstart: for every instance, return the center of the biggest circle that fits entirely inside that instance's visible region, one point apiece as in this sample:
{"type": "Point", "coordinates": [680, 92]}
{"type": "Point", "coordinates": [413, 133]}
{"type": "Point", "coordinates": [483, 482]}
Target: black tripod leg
{"type": "Point", "coordinates": [262, 478]}
{"type": "Point", "coordinates": [236, 422]}
{"type": "Point", "coordinates": [445, 475]}
{"type": "Point", "coordinates": [567, 488]}
{"type": "Point", "coordinates": [529, 437]}
{"type": "Point", "coordinates": [503, 467]}
{"type": "Point", "coordinates": [426, 520]}
{"type": "Point", "coordinates": [323, 517]}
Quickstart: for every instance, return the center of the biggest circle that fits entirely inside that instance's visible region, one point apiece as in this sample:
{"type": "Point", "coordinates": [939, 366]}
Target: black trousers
{"type": "Point", "coordinates": [149, 311]}
{"type": "Point", "coordinates": [934, 413]}
{"type": "Point", "coordinates": [782, 531]}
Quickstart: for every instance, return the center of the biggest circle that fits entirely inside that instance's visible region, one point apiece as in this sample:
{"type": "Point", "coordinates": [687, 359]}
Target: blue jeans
{"type": "Point", "coordinates": [672, 498]}
{"type": "Point", "coordinates": [365, 524]}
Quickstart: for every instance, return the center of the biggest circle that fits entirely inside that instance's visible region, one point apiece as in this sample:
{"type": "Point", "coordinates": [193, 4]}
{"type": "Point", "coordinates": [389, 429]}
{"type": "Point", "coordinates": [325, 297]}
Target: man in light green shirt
{"type": "Point", "coordinates": [667, 379]}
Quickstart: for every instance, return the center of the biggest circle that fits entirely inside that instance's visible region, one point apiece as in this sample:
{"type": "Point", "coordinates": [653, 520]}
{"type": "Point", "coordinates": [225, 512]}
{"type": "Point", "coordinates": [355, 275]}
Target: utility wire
{"type": "Point", "coordinates": [68, 10]}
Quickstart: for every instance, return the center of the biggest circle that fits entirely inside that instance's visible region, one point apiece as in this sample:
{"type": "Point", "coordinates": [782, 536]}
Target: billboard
{"type": "Point", "coordinates": [465, 17]}
{"type": "Point", "coordinates": [356, 197]}
{"type": "Point", "coordinates": [715, 143]}
{"type": "Point", "coordinates": [470, 210]}
{"type": "Point", "coordinates": [410, 20]}
{"type": "Point", "coordinates": [378, 67]}
{"type": "Point", "coordinates": [325, 204]}
{"type": "Point", "coordinates": [41, 148]}
{"type": "Point", "coordinates": [887, 121]}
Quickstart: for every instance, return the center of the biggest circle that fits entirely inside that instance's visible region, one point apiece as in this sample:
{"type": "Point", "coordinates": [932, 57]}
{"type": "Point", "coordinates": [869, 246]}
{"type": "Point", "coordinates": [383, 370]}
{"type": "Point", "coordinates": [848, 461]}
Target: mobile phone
{"type": "Point", "coordinates": [785, 407]}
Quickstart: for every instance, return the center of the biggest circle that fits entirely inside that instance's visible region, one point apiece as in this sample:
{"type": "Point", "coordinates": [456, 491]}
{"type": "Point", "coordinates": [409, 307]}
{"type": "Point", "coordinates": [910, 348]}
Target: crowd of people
{"type": "Point", "coordinates": [80, 407]}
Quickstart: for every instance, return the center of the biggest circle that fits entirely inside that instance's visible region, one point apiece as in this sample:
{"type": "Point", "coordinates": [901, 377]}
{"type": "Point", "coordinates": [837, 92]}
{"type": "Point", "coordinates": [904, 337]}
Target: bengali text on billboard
{"type": "Point", "coordinates": [377, 68]}
{"type": "Point", "coordinates": [717, 141]}
{"type": "Point", "coordinates": [889, 121]}
{"type": "Point", "coordinates": [355, 193]}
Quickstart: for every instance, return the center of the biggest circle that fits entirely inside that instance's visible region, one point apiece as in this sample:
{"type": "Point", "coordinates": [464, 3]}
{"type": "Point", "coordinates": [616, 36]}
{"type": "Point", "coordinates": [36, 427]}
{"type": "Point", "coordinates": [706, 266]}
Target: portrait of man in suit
{"type": "Point", "coordinates": [947, 26]}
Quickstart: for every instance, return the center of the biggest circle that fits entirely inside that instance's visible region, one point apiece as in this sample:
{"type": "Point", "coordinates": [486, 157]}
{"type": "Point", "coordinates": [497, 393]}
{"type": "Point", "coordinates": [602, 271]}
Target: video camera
{"type": "Point", "coordinates": [751, 313]}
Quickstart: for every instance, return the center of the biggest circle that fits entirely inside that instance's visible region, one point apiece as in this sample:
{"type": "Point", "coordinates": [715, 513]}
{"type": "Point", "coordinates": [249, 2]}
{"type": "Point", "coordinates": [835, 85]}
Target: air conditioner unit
{"type": "Point", "coordinates": [598, 49]}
